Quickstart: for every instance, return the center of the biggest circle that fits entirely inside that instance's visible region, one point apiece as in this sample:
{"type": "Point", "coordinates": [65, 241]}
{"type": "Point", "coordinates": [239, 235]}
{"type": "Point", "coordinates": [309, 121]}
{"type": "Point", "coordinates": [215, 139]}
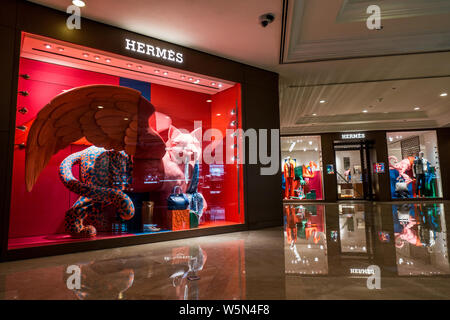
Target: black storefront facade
{"type": "Point", "coordinates": [259, 195]}
{"type": "Point", "coordinates": [380, 156]}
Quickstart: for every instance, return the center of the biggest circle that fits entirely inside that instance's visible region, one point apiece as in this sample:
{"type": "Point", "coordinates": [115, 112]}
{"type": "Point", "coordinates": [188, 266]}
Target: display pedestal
{"type": "Point", "coordinates": [178, 220]}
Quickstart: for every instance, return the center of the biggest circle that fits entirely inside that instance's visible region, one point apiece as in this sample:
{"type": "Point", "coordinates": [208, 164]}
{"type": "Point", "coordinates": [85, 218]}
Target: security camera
{"type": "Point", "coordinates": [266, 19]}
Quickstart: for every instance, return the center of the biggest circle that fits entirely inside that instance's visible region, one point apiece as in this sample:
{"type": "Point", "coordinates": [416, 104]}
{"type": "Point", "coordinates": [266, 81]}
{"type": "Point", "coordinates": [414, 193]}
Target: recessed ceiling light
{"type": "Point", "coordinates": [209, 100]}
{"type": "Point", "coordinates": [310, 143]}
{"type": "Point", "coordinates": [126, 119]}
{"type": "Point", "coordinates": [213, 83]}
{"type": "Point", "coordinates": [48, 46]}
{"type": "Point", "coordinates": [197, 81]}
{"type": "Point", "coordinates": [78, 3]}
{"type": "Point", "coordinates": [97, 58]}
{"type": "Point", "coordinates": [165, 73]}
{"type": "Point", "coordinates": [60, 49]}
{"type": "Point", "coordinates": [314, 114]}
{"type": "Point", "coordinates": [365, 111]}
{"type": "Point", "coordinates": [85, 55]}
{"type": "Point", "coordinates": [417, 108]}
{"type": "Point", "coordinates": [100, 107]}
{"type": "Point", "coordinates": [444, 94]}
{"type": "Point", "coordinates": [156, 71]}
{"type": "Point", "coordinates": [219, 85]}
{"type": "Point", "coordinates": [218, 114]}
{"type": "Point", "coordinates": [129, 65]}
{"type": "Point", "coordinates": [108, 60]}
{"type": "Point", "coordinates": [190, 79]}
{"type": "Point", "coordinates": [322, 101]}
{"type": "Point", "coordinates": [183, 77]}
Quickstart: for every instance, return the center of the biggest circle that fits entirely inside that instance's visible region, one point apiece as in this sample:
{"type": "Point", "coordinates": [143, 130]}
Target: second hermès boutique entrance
{"type": "Point", "coordinates": [353, 170]}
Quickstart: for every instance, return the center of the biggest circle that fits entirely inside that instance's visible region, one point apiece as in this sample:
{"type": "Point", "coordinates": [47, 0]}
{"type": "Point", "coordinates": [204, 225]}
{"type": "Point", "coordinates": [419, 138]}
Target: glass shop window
{"type": "Point", "coordinates": [414, 168]}
{"type": "Point", "coordinates": [109, 146]}
{"type": "Point", "coordinates": [302, 168]}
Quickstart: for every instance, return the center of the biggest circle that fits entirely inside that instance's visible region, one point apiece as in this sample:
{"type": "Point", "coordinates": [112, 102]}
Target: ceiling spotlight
{"type": "Point", "coordinates": [126, 119]}
{"type": "Point", "coordinates": [108, 60]}
{"type": "Point", "coordinates": [129, 65]}
{"type": "Point", "coordinates": [218, 114]}
{"type": "Point", "coordinates": [60, 49]}
{"type": "Point", "coordinates": [213, 83]}
{"type": "Point", "coordinates": [97, 58]}
{"type": "Point", "coordinates": [78, 3]}
{"type": "Point", "coordinates": [190, 79]}
{"type": "Point", "coordinates": [156, 71]}
{"type": "Point", "coordinates": [209, 100]}
{"type": "Point", "coordinates": [219, 85]}
{"type": "Point", "coordinates": [165, 73]}
{"type": "Point", "coordinates": [444, 94]}
{"type": "Point", "coordinates": [304, 149]}
{"type": "Point", "coordinates": [85, 55]}
{"type": "Point", "coordinates": [233, 112]}
{"type": "Point", "coordinates": [48, 46]}
{"type": "Point", "coordinates": [322, 101]}
{"type": "Point", "coordinates": [139, 67]}
{"type": "Point", "coordinates": [100, 107]}
{"type": "Point", "coordinates": [183, 77]}
{"type": "Point", "coordinates": [416, 108]}
{"type": "Point", "coordinates": [315, 149]}
{"type": "Point", "coordinates": [197, 81]}
{"type": "Point", "coordinates": [310, 143]}
{"type": "Point", "coordinates": [314, 114]}
{"type": "Point", "coordinates": [365, 111]}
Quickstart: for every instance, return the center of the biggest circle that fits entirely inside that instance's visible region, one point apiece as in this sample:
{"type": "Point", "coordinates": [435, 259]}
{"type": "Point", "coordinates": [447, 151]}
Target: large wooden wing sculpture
{"type": "Point", "coordinates": [110, 117]}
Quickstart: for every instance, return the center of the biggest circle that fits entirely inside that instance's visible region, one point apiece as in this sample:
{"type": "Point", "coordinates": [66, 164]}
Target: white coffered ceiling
{"type": "Point", "coordinates": [328, 53]}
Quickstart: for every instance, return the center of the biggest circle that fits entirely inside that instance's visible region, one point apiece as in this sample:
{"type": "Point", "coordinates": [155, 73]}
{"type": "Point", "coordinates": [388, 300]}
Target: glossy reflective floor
{"type": "Point", "coordinates": [324, 251]}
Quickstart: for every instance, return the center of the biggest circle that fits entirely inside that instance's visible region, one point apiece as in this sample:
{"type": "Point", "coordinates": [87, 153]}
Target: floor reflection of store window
{"type": "Point", "coordinates": [352, 229]}
{"type": "Point", "coordinates": [420, 239]}
{"type": "Point", "coordinates": [414, 165]}
{"type": "Point", "coordinates": [305, 241]}
{"type": "Point", "coordinates": [302, 168]}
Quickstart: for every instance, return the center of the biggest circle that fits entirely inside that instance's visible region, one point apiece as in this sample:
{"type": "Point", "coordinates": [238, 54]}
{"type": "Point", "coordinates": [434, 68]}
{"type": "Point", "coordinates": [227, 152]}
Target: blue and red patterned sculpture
{"type": "Point", "coordinates": [127, 153]}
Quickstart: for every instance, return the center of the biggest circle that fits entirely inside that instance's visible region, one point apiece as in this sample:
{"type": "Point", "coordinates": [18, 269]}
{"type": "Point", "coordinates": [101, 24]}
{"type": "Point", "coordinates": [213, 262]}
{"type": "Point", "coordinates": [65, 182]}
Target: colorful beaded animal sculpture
{"type": "Point", "coordinates": [127, 153]}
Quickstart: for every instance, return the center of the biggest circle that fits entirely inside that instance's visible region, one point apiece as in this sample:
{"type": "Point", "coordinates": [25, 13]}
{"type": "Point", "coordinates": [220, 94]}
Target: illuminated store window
{"type": "Point", "coordinates": [110, 146]}
{"type": "Point", "coordinates": [302, 168]}
{"type": "Point", "coordinates": [414, 165]}
{"type": "Point", "coordinates": [420, 239]}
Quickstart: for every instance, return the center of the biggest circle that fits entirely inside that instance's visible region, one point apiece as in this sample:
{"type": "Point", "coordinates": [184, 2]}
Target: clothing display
{"type": "Point", "coordinates": [412, 177]}
{"type": "Point", "coordinates": [289, 175]}
{"type": "Point", "coordinates": [306, 182]}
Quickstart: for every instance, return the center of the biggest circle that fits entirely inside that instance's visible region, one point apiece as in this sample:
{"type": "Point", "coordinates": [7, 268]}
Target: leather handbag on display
{"type": "Point", "coordinates": [177, 201]}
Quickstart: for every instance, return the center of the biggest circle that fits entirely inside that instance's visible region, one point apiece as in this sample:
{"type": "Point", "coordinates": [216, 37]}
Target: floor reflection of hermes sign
{"type": "Point", "coordinates": [353, 136]}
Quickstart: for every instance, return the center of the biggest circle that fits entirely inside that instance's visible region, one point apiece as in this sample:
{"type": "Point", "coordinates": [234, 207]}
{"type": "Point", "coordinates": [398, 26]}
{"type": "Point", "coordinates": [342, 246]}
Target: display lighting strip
{"type": "Point", "coordinates": [75, 56]}
{"type": "Point", "coordinates": [156, 73]}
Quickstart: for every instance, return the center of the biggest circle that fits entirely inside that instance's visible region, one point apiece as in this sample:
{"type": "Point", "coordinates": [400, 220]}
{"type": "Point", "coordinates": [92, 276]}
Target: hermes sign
{"type": "Point", "coordinates": [153, 51]}
{"type": "Point", "coordinates": [353, 136]}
